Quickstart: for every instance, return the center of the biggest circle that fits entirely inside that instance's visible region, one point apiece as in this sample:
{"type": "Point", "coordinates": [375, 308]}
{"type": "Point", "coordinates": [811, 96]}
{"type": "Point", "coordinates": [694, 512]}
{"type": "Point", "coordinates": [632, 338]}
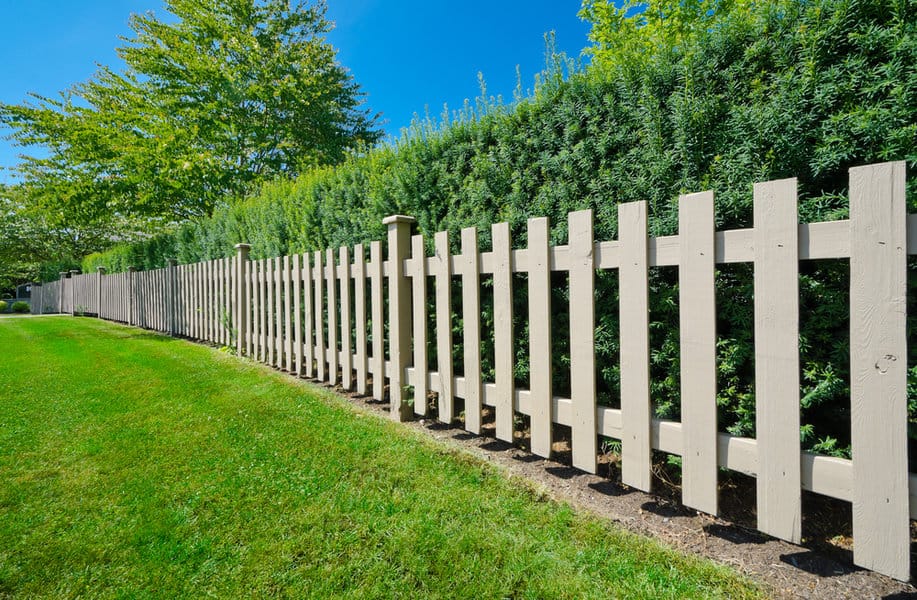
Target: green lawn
{"type": "Point", "coordinates": [133, 465]}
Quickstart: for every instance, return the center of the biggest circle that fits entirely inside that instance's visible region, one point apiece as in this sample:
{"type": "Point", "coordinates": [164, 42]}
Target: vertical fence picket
{"type": "Point", "coordinates": [229, 283]}
{"type": "Point", "coordinates": [248, 305]}
{"type": "Point", "coordinates": [331, 285]}
{"type": "Point", "coordinates": [309, 316]}
{"type": "Point", "coordinates": [375, 292]}
{"type": "Point", "coordinates": [636, 408]}
{"type": "Point", "coordinates": [318, 279]}
{"type": "Point", "coordinates": [288, 316]}
{"type": "Point", "coordinates": [297, 314]}
{"type": "Point", "coordinates": [359, 291]}
{"type": "Point", "coordinates": [878, 368]}
{"type": "Point", "coordinates": [503, 331]}
{"type": "Point", "coordinates": [346, 350]}
{"type": "Point", "coordinates": [241, 298]}
{"type": "Point", "coordinates": [270, 314]}
{"type": "Point", "coordinates": [541, 389]}
{"type": "Point", "coordinates": [697, 317]}
{"type": "Point", "coordinates": [419, 321]}
{"type": "Point", "coordinates": [443, 282]}
{"type": "Point", "coordinates": [277, 284]}
{"type": "Point", "coordinates": [582, 340]}
{"type": "Point", "coordinates": [259, 307]}
{"type": "Point", "coordinates": [471, 328]}
{"type": "Point", "coordinates": [776, 295]}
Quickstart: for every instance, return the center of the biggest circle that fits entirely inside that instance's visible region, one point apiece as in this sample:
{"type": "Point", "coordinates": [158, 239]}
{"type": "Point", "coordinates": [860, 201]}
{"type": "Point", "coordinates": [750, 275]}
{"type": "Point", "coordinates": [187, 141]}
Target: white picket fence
{"type": "Point", "coordinates": [320, 315]}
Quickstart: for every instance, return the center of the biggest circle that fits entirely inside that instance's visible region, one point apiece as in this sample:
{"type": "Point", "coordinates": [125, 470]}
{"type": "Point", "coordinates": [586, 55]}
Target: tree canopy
{"type": "Point", "coordinates": [215, 96]}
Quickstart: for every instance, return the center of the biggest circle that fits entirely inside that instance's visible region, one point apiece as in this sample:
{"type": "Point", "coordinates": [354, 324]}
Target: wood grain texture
{"type": "Point", "coordinates": [471, 328]}
{"type": "Point", "coordinates": [319, 315]}
{"type": "Point", "coordinates": [442, 270]}
{"type": "Point", "coordinates": [878, 368]}
{"type": "Point", "coordinates": [278, 313]}
{"type": "Point", "coordinates": [288, 303]}
{"type": "Point", "coordinates": [308, 317]}
{"type": "Point", "coordinates": [697, 316]}
{"type": "Point", "coordinates": [503, 330]}
{"type": "Point", "coordinates": [399, 314]}
{"type": "Point", "coordinates": [582, 340]}
{"type": "Point", "coordinates": [346, 332]}
{"type": "Point", "coordinates": [776, 281]}
{"type": "Point", "coordinates": [359, 291]}
{"type": "Point", "coordinates": [541, 389]}
{"type": "Point", "coordinates": [375, 297]}
{"type": "Point", "coordinates": [270, 275]}
{"type": "Point", "coordinates": [419, 319]}
{"type": "Point", "coordinates": [297, 315]}
{"type": "Point", "coordinates": [332, 315]}
{"type": "Point", "coordinates": [636, 407]}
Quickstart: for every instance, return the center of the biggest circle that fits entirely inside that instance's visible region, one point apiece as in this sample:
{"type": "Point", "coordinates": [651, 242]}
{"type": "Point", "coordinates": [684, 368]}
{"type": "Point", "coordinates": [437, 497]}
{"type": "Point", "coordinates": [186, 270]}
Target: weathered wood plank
{"type": "Point", "coordinates": [636, 407]}
{"type": "Point", "coordinates": [359, 290]}
{"type": "Point", "coordinates": [375, 298]}
{"type": "Point", "coordinates": [776, 281]}
{"type": "Point", "coordinates": [503, 330]}
{"type": "Point", "coordinates": [288, 302]}
{"type": "Point", "coordinates": [419, 319]}
{"type": "Point", "coordinates": [309, 316]}
{"type": "Point", "coordinates": [697, 315]}
{"type": "Point", "coordinates": [471, 328]}
{"type": "Point", "coordinates": [271, 313]}
{"type": "Point", "coordinates": [346, 332]}
{"type": "Point", "coordinates": [540, 371]}
{"type": "Point", "coordinates": [878, 368]}
{"type": "Point", "coordinates": [331, 285]}
{"type": "Point", "coordinates": [399, 313]}
{"type": "Point", "coordinates": [318, 280]}
{"type": "Point", "coordinates": [442, 270]}
{"type": "Point", "coordinates": [297, 315]}
{"type": "Point", "coordinates": [582, 340]}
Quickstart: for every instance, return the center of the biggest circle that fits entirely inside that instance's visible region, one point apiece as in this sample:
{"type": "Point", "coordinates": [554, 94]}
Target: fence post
{"type": "Point", "coordinates": [100, 271]}
{"type": "Point", "coordinates": [60, 290]}
{"type": "Point", "coordinates": [130, 295]}
{"type": "Point", "coordinates": [73, 274]}
{"type": "Point", "coordinates": [241, 299]}
{"type": "Point", "coordinates": [170, 296]}
{"type": "Point", "coordinates": [399, 311]}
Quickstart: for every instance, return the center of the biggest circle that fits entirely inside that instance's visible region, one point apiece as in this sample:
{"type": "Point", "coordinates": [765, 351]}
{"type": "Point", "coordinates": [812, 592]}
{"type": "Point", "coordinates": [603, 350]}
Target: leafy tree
{"type": "Point", "coordinates": [219, 95]}
{"type": "Point", "coordinates": [33, 245]}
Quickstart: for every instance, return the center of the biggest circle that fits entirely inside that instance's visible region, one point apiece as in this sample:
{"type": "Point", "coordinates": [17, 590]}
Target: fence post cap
{"type": "Point", "coordinates": [396, 219]}
{"type": "Point", "coordinates": [74, 271]}
{"type": "Point", "coordinates": [243, 246]}
{"type": "Point", "coordinates": [64, 274]}
{"type": "Point", "coordinates": [101, 269]}
{"type": "Point", "coordinates": [172, 261]}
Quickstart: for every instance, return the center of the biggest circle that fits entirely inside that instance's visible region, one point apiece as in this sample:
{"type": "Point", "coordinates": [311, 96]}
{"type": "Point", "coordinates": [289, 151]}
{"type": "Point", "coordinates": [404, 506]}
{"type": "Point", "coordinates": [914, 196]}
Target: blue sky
{"type": "Point", "coordinates": [406, 55]}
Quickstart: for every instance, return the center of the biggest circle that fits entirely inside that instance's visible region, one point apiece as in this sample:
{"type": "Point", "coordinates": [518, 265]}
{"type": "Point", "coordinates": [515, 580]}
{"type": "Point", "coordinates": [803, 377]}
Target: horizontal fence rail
{"type": "Point", "coordinates": [324, 315]}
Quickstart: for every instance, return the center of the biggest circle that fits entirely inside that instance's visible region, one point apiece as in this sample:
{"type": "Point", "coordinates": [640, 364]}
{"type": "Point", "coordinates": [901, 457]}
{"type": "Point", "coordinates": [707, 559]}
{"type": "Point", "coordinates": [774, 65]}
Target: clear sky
{"type": "Point", "coordinates": [407, 55]}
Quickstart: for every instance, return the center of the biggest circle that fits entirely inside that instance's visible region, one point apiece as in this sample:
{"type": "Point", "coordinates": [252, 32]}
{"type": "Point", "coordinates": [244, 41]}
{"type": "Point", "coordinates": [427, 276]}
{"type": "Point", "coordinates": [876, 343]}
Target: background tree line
{"type": "Point", "coordinates": [215, 97]}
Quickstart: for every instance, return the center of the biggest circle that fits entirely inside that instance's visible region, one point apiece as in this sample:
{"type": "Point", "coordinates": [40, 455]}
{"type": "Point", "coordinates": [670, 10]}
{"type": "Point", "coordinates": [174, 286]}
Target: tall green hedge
{"type": "Point", "coordinates": [787, 89]}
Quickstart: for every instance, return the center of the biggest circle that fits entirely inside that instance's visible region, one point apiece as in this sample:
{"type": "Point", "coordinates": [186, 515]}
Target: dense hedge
{"type": "Point", "coordinates": [791, 89]}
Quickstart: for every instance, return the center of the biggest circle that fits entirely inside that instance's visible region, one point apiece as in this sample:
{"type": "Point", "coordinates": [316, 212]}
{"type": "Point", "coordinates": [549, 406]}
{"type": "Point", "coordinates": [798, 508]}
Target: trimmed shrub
{"type": "Point", "coordinates": [20, 307]}
{"type": "Point", "coordinates": [3, 306]}
{"type": "Point", "coordinates": [752, 93]}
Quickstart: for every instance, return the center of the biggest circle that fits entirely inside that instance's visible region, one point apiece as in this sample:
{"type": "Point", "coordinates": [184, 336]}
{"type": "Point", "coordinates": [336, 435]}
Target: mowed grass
{"type": "Point", "coordinates": [133, 465]}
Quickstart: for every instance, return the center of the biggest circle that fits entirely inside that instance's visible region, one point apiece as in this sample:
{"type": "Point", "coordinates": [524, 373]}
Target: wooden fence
{"type": "Point", "coordinates": [323, 315]}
